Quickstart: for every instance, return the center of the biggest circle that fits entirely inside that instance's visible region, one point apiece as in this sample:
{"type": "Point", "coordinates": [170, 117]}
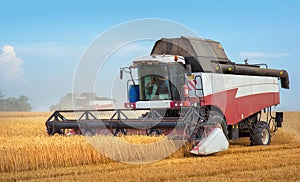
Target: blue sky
{"type": "Point", "coordinates": [48, 38]}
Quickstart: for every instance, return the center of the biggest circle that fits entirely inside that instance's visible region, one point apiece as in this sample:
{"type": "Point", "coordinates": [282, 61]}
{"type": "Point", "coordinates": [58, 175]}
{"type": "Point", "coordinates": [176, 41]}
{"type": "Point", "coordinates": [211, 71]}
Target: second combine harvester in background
{"type": "Point", "coordinates": [188, 87]}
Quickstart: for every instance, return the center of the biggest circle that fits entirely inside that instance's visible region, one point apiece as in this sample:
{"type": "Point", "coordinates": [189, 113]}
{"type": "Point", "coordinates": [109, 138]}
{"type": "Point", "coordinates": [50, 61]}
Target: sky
{"type": "Point", "coordinates": [42, 42]}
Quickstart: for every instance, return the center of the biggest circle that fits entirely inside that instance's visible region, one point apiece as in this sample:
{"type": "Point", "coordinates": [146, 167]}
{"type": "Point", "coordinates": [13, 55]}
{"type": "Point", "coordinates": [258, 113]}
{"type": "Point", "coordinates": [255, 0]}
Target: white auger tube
{"type": "Point", "coordinates": [216, 141]}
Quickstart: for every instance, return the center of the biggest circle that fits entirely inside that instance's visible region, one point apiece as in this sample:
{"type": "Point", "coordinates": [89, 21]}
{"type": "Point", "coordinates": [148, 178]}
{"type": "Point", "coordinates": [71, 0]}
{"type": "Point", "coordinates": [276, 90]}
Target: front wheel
{"type": "Point", "coordinates": [214, 117]}
{"type": "Point", "coordinates": [260, 134]}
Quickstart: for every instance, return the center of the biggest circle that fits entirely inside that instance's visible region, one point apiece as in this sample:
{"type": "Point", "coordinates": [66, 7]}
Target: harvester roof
{"type": "Point", "coordinates": [197, 52]}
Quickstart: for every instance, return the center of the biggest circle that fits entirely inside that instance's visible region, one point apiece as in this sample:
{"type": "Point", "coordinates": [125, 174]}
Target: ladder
{"type": "Point", "coordinates": [199, 91]}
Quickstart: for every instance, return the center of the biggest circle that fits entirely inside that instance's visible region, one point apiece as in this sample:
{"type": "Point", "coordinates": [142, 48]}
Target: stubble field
{"type": "Point", "coordinates": [29, 154]}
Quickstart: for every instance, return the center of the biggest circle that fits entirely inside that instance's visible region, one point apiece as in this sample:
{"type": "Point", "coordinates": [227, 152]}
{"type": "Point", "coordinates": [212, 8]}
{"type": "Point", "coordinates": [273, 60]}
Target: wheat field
{"type": "Point", "coordinates": [29, 154]}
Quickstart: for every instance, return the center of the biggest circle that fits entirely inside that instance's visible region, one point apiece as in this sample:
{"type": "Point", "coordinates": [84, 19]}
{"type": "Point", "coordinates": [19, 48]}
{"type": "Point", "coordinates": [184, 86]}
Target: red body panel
{"type": "Point", "coordinates": [237, 109]}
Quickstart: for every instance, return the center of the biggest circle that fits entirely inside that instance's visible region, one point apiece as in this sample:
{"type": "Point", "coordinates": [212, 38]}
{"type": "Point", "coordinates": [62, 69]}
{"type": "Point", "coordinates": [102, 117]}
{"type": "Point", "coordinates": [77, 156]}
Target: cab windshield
{"type": "Point", "coordinates": [159, 82]}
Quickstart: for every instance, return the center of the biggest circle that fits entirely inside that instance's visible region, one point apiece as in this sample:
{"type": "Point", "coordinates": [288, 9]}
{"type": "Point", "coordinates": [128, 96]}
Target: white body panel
{"type": "Point", "coordinates": [160, 58]}
{"type": "Point", "coordinates": [246, 85]}
{"type": "Point", "coordinates": [153, 104]}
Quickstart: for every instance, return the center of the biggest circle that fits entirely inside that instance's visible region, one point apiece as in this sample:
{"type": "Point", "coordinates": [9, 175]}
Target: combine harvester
{"type": "Point", "coordinates": [188, 89]}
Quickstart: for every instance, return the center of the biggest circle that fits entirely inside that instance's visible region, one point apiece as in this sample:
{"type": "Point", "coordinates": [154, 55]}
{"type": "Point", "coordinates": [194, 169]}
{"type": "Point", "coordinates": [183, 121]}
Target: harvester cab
{"type": "Point", "coordinates": [161, 79]}
{"type": "Point", "coordinates": [188, 89]}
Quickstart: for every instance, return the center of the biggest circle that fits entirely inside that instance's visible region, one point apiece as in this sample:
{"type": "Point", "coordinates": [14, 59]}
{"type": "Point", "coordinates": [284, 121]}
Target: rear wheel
{"type": "Point", "coordinates": [260, 134]}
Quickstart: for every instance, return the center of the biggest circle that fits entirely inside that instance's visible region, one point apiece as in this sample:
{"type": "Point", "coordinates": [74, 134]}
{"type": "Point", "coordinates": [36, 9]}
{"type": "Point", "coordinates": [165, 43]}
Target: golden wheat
{"type": "Point", "coordinates": [27, 152]}
{"type": "Point", "coordinates": [26, 146]}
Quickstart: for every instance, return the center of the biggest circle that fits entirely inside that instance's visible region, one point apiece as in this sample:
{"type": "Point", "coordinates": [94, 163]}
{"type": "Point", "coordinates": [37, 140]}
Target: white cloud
{"type": "Point", "coordinates": [262, 55]}
{"type": "Point", "coordinates": [11, 69]}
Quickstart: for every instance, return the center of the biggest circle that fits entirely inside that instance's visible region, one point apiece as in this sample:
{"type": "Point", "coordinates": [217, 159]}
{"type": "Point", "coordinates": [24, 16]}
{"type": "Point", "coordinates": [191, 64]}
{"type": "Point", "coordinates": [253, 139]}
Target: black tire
{"type": "Point", "coordinates": [260, 134]}
{"type": "Point", "coordinates": [215, 117]}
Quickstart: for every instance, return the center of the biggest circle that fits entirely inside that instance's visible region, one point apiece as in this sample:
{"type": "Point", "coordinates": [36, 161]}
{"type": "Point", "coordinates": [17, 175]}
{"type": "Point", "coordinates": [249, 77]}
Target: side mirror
{"type": "Point", "coordinates": [188, 68]}
{"type": "Point", "coordinates": [121, 74]}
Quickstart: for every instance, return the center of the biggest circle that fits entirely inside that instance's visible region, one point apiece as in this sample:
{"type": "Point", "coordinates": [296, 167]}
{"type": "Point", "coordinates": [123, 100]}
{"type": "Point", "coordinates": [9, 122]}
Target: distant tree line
{"type": "Point", "coordinates": [14, 104]}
